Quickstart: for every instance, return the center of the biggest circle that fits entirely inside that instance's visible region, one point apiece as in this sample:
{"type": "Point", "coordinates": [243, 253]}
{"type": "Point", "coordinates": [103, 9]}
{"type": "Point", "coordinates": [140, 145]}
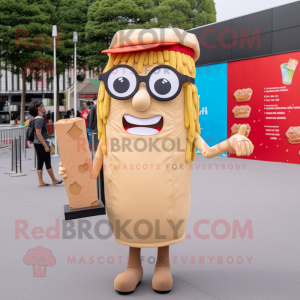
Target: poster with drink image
{"type": "Point", "coordinates": [288, 70]}
{"type": "Point", "coordinates": [264, 94]}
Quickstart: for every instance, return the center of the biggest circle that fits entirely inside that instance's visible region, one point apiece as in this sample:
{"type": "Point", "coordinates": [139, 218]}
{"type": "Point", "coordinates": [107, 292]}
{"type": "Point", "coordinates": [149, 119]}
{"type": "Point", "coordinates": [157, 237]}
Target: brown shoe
{"type": "Point", "coordinates": [162, 281]}
{"type": "Point", "coordinates": [126, 282]}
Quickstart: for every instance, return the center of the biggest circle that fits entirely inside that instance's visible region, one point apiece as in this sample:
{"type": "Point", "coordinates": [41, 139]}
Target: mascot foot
{"type": "Point", "coordinates": [162, 280]}
{"type": "Point", "coordinates": [126, 282]}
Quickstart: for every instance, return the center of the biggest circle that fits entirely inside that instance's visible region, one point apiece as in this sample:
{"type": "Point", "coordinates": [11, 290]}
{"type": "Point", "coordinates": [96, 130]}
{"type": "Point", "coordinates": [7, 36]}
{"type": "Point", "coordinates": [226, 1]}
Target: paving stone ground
{"type": "Point", "coordinates": [263, 266]}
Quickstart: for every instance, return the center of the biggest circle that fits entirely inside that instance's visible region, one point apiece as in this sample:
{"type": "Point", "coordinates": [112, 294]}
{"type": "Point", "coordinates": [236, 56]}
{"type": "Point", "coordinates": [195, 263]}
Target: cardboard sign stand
{"type": "Point", "coordinates": [71, 214]}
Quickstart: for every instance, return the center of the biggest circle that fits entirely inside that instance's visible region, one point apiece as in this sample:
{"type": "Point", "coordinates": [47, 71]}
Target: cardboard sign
{"type": "Point", "coordinates": [76, 159]}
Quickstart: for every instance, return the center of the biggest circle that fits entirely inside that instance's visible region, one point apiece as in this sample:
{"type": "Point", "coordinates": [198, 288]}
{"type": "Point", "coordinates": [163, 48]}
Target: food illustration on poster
{"type": "Point", "coordinates": [271, 87]}
{"type": "Point", "coordinates": [243, 95]}
{"type": "Point", "coordinates": [241, 112]}
{"type": "Point", "coordinates": [293, 135]}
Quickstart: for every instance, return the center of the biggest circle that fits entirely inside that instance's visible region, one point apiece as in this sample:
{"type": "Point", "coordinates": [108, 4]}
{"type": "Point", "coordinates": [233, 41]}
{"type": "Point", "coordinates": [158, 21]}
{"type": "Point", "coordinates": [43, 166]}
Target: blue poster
{"type": "Point", "coordinates": [211, 82]}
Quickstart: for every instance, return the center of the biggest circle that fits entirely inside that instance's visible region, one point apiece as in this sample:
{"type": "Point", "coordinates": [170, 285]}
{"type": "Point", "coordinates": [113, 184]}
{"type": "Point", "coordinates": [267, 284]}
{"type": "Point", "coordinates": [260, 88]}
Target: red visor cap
{"type": "Point", "coordinates": [157, 47]}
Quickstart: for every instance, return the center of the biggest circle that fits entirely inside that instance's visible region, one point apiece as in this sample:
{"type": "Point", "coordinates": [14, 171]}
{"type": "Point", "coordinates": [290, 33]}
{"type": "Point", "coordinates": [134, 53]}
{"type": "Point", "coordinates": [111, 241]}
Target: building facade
{"type": "Point", "coordinates": [11, 90]}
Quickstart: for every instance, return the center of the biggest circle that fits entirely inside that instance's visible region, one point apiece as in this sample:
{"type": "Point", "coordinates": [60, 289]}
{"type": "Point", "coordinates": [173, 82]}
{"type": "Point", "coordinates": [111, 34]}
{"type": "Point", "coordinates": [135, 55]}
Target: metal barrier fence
{"type": "Point", "coordinates": [16, 160]}
{"type": "Point", "coordinates": [7, 134]}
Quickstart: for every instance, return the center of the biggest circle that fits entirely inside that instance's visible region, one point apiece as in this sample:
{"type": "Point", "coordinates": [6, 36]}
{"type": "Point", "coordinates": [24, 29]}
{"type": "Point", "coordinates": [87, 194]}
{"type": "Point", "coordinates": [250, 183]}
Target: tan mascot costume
{"type": "Point", "coordinates": [148, 108]}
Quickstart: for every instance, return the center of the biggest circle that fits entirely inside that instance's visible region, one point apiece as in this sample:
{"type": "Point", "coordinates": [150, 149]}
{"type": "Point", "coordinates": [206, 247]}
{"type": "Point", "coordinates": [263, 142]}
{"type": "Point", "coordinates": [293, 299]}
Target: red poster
{"type": "Point", "coordinates": [264, 94]}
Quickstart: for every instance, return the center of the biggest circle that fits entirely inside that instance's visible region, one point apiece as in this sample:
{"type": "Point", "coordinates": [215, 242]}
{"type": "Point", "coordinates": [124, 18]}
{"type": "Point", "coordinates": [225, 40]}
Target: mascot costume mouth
{"type": "Point", "coordinates": [148, 119]}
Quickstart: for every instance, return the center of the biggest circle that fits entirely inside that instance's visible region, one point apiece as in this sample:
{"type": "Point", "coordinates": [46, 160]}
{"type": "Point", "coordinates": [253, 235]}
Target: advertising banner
{"type": "Point", "coordinates": [264, 94]}
{"type": "Point", "coordinates": [211, 82]}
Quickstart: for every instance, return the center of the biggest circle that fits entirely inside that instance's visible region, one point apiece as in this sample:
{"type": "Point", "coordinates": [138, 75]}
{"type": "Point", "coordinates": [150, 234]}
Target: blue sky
{"type": "Point", "coordinates": [228, 9]}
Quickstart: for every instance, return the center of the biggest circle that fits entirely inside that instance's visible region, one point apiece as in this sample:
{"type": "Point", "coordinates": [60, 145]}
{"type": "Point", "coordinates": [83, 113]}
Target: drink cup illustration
{"type": "Point", "coordinates": [287, 74]}
{"type": "Point", "coordinates": [288, 70]}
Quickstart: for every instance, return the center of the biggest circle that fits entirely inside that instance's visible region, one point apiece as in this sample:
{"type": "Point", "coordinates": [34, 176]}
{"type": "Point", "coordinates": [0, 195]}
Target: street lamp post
{"type": "Point", "coordinates": [54, 34]}
{"type": "Point", "coordinates": [75, 39]}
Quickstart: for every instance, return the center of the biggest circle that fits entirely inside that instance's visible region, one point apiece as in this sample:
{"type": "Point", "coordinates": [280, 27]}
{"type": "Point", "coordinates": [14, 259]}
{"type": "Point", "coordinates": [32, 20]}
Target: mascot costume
{"type": "Point", "coordinates": [148, 124]}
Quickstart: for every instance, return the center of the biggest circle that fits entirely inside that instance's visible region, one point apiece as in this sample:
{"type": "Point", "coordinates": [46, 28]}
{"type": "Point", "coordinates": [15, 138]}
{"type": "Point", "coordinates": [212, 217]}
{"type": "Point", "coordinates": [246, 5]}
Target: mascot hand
{"type": "Point", "coordinates": [242, 145]}
{"type": "Point", "coordinates": [62, 171]}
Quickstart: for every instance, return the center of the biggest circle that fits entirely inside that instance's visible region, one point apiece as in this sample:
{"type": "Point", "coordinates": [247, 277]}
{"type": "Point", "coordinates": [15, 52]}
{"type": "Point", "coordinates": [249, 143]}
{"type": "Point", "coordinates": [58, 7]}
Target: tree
{"type": "Point", "coordinates": [26, 44]}
{"type": "Point", "coordinates": [185, 14]}
{"type": "Point", "coordinates": [70, 16]}
{"type": "Point", "coordinates": [205, 12]}
{"type": "Point", "coordinates": [174, 13]}
{"type": "Point", "coordinates": [25, 32]}
{"type": "Point", "coordinates": [106, 17]}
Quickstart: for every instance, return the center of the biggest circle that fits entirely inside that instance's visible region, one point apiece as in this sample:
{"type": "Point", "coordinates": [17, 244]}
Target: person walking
{"type": "Point", "coordinates": [88, 117]}
{"type": "Point", "coordinates": [68, 114]}
{"type": "Point", "coordinates": [85, 115]}
{"type": "Point", "coordinates": [72, 115]}
{"type": "Point", "coordinates": [93, 125]}
{"type": "Point", "coordinates": [42, 143]}
{"type": "Point", "coordinates": [93, 118]}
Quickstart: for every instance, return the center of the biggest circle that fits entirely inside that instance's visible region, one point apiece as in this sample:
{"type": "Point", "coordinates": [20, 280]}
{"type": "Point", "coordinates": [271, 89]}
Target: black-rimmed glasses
{"type": "Point", "coordinates": [163, 82]}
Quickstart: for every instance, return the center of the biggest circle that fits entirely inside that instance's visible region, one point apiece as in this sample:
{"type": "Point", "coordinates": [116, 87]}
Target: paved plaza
{"type": "Point", "coordinates": [215, 260]}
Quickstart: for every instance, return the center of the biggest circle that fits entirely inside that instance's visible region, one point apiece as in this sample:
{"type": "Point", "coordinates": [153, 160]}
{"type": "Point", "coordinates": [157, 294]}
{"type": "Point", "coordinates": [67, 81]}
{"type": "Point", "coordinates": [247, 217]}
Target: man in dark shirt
{"type": "Point", "coordinates": [93, 123]}
{"type": "Point", "coordinates": [93, 117]}
{"type": "Point", "coordinates": [89, 113]}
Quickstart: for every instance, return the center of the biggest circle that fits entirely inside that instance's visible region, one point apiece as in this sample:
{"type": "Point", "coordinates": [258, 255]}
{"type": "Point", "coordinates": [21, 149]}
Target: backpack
{"type": "Point", "coordinates": [30, 131]}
